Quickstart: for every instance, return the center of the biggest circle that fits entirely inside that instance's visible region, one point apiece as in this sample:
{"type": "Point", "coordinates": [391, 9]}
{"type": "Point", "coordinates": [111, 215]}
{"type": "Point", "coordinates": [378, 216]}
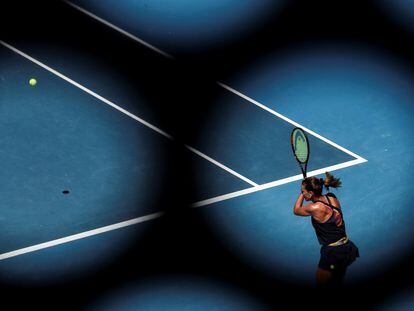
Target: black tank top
{"type": "Point", "coordinates": [329, 232]}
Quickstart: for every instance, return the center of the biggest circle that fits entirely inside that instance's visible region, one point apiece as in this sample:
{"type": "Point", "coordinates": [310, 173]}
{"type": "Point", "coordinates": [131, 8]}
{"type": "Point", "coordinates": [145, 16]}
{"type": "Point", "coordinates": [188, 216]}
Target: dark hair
{"type": "Point", "coordinates": [316, 184]}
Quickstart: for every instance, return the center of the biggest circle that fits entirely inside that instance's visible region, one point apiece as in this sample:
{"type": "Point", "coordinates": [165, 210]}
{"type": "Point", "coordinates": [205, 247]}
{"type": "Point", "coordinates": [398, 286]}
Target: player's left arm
{"type": "Point", "coordinates": [302, 210]}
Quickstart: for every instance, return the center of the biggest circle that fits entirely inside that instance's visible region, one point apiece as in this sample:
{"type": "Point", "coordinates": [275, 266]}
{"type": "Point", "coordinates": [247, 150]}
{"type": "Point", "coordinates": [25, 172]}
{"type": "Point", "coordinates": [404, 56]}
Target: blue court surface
{"type": "Point", "coordinates": [76, 130]}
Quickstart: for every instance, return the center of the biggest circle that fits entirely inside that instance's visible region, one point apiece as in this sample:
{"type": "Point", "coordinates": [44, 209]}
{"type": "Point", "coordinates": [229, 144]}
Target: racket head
{"type": "Point", "coordinates": [300, 145]}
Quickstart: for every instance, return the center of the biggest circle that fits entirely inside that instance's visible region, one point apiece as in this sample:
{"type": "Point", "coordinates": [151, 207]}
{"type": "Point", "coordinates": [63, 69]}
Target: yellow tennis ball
{"type": "Point", "coordinates": [32, 82]}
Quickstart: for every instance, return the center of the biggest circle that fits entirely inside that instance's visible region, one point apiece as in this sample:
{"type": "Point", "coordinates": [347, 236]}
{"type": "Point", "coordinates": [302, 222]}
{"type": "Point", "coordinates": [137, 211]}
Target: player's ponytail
{"type": "Point", "coordinates": [331, 182]}
{"type": "Point", "coordinates": [316, 184]}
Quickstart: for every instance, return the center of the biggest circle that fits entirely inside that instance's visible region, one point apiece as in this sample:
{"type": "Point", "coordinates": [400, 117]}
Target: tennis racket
{"type": "Point", "coordinates": [300, 148]}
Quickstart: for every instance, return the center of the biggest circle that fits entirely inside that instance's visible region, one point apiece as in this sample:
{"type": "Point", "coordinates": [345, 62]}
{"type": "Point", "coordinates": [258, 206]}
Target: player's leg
{"type": "Point", "coordinates": [339, 276]}
{"type": "Point", "coordinates": [324, 277]}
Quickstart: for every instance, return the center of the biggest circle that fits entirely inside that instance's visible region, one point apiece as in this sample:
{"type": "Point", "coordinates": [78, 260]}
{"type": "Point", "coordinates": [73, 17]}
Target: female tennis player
{"type": "Point", "coordinates": [337, 251]}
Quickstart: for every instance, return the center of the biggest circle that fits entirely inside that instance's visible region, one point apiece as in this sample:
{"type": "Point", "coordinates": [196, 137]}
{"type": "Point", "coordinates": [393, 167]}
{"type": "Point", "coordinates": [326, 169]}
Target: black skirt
{"type": "Point", "coordinates": [338, 257]}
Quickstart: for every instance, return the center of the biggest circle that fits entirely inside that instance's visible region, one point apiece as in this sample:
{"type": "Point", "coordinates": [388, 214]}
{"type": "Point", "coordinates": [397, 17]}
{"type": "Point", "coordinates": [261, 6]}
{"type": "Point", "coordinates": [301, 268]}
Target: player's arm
{"type": "Point", "coordinates": [300, 209]}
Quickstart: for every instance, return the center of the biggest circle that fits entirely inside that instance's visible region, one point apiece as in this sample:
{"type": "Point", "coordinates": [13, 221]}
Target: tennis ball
{"type": "Point", "coordinates": [32, 82]}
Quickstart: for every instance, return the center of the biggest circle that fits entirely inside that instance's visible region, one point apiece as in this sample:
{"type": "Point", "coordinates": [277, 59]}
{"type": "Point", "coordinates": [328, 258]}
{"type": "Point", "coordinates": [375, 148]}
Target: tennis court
{"type": "Point", "coordinates": [102, 177]}
{"type": "Point", "coordinates": [133, 151]}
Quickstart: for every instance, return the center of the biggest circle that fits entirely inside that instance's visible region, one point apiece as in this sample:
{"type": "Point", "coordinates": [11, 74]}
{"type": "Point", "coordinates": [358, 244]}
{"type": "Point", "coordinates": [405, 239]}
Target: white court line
{"type": "Point", "coordinates": [277, 183]}
{"type": "Point", "coordinates": [81, 235]}
{"type": "Point", "coordinates": [129, 35]}
{"type": "Point", "coordinates": [223, 167]}
{"type": "Point", "coordinates": [120, 109]}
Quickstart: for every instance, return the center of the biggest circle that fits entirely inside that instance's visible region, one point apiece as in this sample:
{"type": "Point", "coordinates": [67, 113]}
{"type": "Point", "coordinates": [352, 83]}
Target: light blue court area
{"type": "Point", "coordinates": [256, 143]}
{"type": "Point", "coordinates": [176, 293]}
{"type": "Point", "coordinates": [184, 25]}
{"type": "Point", "coordinates": [56, 137]}
{"type": "Point", "coordinates": [363, 100]}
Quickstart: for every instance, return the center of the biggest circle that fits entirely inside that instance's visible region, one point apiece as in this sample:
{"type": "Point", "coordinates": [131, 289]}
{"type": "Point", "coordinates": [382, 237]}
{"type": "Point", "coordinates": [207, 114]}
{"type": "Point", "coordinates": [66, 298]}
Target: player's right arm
{"type": "Point", "coordinates": [303, 210]}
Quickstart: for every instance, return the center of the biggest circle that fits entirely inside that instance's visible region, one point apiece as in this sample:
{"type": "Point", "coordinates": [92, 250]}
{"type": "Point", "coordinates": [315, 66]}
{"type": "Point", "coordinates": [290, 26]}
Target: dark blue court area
{"type": "Point", "coordinates": [179, 292]}
{"type": "Point", "coordinates": [184, 26]}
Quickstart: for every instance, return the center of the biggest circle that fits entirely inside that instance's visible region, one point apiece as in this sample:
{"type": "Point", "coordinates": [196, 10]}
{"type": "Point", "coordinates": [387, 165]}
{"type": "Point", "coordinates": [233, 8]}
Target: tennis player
{"type": "Point", "coordinates": [337, 251]}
